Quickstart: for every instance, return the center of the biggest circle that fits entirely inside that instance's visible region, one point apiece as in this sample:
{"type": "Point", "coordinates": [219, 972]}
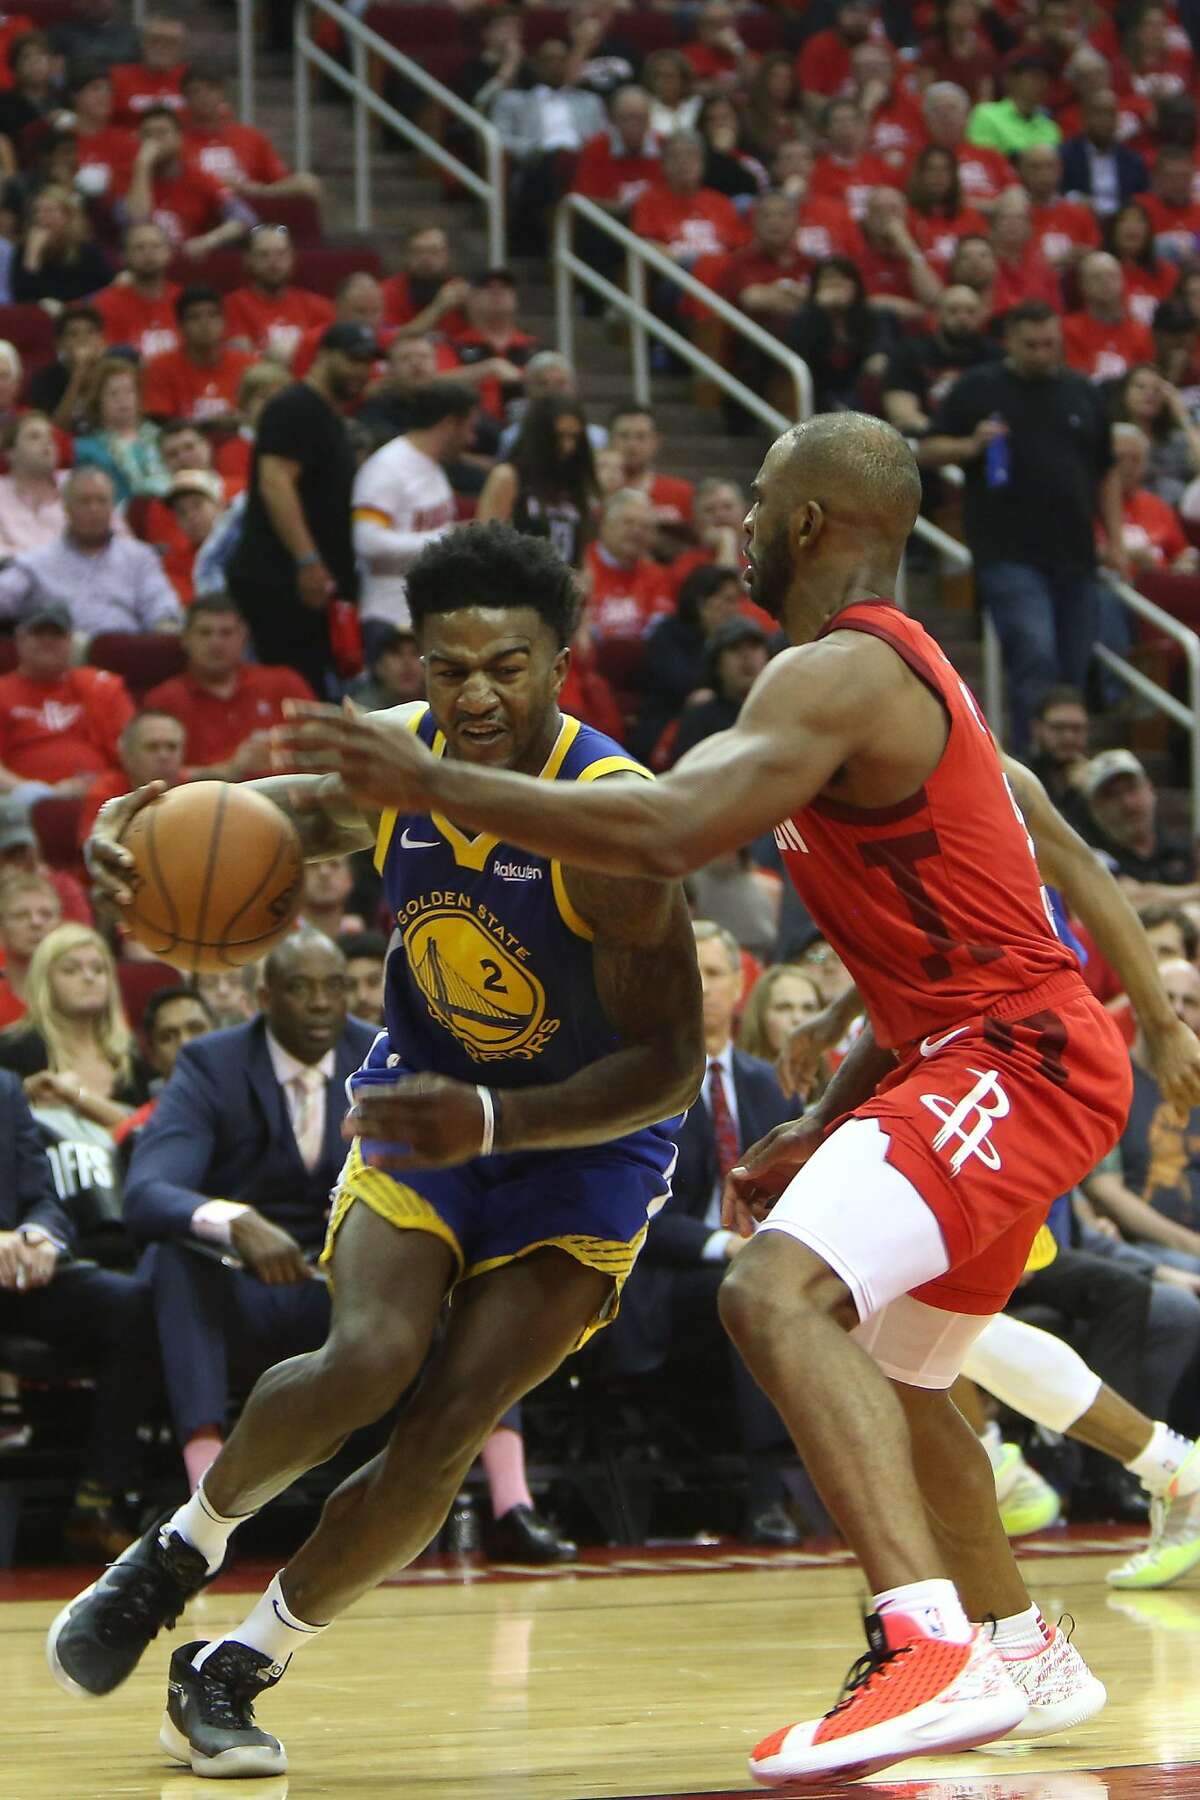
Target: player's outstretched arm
{"type": "Point", "coordinates": [1095, 898]}
{"type": "Point", "coordinates": [810, 711]}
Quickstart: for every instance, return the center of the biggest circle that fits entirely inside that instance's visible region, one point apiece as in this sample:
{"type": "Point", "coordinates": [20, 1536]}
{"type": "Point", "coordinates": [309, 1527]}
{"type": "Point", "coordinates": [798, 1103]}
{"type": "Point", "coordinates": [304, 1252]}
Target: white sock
{"type": "Point", "coordinates": [1158, 1464]}
{"type": "Point", "coordinates": [933, 1606]}
{"type": "Point", "coordinates": [200, 1524]}
{"type": "Point", "coordinates": [1025, 1634]}
{"type": "Point", "coordinates": [271, 1628]}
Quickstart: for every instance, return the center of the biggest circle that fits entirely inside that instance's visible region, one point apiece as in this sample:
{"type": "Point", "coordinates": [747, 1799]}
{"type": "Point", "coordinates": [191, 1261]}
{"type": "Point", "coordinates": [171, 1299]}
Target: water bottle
{"type": "Point", "coordinates": [997, 462]}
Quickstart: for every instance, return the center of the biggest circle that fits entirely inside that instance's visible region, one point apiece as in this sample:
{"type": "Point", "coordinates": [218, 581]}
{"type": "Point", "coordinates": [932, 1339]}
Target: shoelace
{"type": "Point", "coordinates": [228, 1698]}
{"type": "Point", "coordinates": [862, 1673]}
{"type": "Point", "coordinates": [138, 1604]}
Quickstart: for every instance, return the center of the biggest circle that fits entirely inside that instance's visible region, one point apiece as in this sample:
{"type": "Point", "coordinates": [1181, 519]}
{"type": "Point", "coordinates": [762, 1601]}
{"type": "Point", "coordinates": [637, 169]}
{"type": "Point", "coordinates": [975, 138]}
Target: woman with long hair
{"type": "Point", "coordinates": [1129, 236]}
{"type": "Point", "coordinates": [548, 487]}
{"type": "Point", "coordinates": [960, 50]}
{"type": "Point", "coordinates": [938, 213]}
{"type": "Point", "coordinates": [74, 1046]}
{"type": "Point", "coordinates": [729, 168]}
{"type": "Point", "coordinates": [773, 113]}
{"type": "Point", "coordinates": [837, 333]}
{"type": "Point", "coordinates": [783, 997]}
{"type": "Point", "coordinates": [668, 79]}
{"type": "Point", "coordinates": [1144, 398]}
{"type": "Point", "coordinates": [121, 440]}
{"type": "Point", "coordinates": [56, 258]}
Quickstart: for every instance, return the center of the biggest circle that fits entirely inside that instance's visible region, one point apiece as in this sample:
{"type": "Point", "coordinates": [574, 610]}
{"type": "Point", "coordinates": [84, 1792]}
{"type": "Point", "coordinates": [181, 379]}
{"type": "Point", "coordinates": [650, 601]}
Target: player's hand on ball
{"type": "Point", "coordinates": [753, 1187]}
{"type": "Point", "coordinates": [267, 1250]}
{"type": "Point", "coordinates": [108, 862]}
{"type": "Point", "coordinates": [378, 764]}
{"type": "Point", "coordinates": [425, 1122]}
{"type": "Point", "coordinates": [1174, 1057]}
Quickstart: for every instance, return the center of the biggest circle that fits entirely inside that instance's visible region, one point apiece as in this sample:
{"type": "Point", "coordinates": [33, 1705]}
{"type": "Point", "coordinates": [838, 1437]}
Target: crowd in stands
{"type": "Point", "coordinates": [219, 459]}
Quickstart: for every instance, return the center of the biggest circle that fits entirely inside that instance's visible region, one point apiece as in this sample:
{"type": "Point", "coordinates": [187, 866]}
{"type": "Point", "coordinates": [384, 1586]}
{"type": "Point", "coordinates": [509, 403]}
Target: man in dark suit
{"type": "Point", "coordinates": [102, 1319]}
{"type": "Point", "coordinates": [669, 1308]}
{"type": "Point", "coordinates": [230, 1182]}
{"type": "Point", "coordinates": [1095, 166]}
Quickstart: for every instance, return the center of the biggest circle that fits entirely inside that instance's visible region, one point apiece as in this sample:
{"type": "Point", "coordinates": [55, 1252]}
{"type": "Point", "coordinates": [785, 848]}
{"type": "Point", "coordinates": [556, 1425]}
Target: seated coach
{"type": "Point", "coordinates": [235, 1167]}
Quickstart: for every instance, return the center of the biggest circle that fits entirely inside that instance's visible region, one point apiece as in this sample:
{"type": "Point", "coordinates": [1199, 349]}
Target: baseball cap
{"type": "Point", "coordinates": [353, 340]}
{"type": "Point", "coordinates": [1106, 767]}
{"type": "Point", "coordinates": [36, 611]}
{"type": "Point", "coordinates": [15, 830]}
{"type": "Point", "coordinates": [198, 481]}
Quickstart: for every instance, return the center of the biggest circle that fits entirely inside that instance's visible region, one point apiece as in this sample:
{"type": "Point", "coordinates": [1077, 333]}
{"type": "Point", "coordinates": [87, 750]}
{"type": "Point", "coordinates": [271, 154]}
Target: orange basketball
{"type": "Point", "coordinates": [217, 876]}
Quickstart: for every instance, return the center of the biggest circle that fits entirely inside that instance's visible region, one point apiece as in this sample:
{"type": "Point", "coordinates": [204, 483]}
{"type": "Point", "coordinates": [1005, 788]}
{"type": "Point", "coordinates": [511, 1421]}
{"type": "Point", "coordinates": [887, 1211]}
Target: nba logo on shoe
{"type": "Point", "coordinates": [973, 1107]}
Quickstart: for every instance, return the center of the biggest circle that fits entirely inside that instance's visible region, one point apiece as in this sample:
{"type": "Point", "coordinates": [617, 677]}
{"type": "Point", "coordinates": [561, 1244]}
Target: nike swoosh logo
{"type": "Point", "coordinates": [412, 843]}
{"type": "Point", "coordinates": [931, 1045]}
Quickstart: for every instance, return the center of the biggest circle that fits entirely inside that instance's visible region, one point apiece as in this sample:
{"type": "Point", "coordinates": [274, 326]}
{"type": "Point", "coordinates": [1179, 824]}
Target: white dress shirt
{"type": "Point", "coordinates": [718, 1238]}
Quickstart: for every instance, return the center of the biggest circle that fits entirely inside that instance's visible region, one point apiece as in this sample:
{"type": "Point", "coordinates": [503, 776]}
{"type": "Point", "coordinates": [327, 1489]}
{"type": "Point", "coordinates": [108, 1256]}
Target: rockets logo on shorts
{"type": "Point", "coordinates": [972, 1108]}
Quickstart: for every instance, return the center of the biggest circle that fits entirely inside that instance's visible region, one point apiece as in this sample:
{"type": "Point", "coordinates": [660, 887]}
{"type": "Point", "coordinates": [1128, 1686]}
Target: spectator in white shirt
{"type": "Point", "coordinates": [31, 508]}
{"type": "Point", "coordinates": [403, 500]}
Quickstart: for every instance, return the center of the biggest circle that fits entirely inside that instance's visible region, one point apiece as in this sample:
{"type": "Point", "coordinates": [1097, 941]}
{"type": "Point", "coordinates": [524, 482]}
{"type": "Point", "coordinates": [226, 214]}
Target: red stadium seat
{"type": "Point", "coordinates": [45, 13]}
{"type": "Point", "coordinates": [138, 980]}
{"type": "Point", "coordinates": [415, 29]}
{"type": "Point", "coordinates": [761, 30]}
{"type": "Point", "coordinates": [141, 658]}
{"type": "Point", "coordinates": [649, 31]}
{"type": "Point", "coordinates": [30, 330]}
{"type": "Point", "coordinates": [299, 212]}
{"type": "Point", "coordinates": [56, 823]}
{"type": "Point", "coordinates": [321, 267]}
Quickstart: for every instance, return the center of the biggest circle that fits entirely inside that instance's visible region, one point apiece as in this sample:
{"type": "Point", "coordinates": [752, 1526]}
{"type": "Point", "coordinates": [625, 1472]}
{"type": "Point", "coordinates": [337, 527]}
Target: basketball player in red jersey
{"type": "Point", "coordinates": [900, 1211]}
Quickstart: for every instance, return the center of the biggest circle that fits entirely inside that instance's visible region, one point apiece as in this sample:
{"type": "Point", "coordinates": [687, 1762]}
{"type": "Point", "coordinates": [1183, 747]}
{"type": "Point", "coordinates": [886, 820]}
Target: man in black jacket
{"type": "Point", "coordinates": [738, 651]}
{"type": "Point", "coordinates": [669, 1308]}
{"type": "Point", "coordinates": [102, 1319]}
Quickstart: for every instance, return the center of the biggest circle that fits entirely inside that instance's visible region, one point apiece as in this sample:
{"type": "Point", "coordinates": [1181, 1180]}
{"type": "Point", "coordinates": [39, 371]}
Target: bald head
{"type": "Point", "coordinates": [836, 499]}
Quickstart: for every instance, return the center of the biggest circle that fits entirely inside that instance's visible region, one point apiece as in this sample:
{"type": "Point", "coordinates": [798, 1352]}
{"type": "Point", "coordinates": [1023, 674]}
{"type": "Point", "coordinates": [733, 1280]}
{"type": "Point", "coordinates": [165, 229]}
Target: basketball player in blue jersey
{"type": "Point", "coordinates": [512, 1134]}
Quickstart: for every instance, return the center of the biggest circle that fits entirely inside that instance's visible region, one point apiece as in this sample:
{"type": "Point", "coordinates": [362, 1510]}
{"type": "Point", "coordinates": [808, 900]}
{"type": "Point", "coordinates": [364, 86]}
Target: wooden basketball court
{"type": "Point", "coordinates": [627, 1674]}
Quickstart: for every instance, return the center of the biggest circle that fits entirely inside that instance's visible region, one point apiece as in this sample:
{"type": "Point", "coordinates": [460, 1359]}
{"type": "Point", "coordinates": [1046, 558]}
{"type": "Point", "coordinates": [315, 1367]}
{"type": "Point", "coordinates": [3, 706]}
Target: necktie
{"type": "Point", "coordinates": [307, 1123]}
{"type": "Point", "coordinates": [724, 1129]}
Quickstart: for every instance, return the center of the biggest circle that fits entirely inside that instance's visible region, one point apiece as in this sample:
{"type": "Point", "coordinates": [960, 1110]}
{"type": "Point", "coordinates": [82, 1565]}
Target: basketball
{"type": "Point", "coordinates": [216, 878]}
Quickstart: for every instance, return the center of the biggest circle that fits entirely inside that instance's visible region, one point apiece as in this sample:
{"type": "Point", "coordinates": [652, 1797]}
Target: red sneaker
{"type": "Point", "coordinates": [910, 1695]}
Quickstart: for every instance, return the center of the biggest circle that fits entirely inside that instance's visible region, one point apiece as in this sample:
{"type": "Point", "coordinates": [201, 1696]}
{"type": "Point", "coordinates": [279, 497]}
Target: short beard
{"type": "Point", "coordinates": [770, 579]}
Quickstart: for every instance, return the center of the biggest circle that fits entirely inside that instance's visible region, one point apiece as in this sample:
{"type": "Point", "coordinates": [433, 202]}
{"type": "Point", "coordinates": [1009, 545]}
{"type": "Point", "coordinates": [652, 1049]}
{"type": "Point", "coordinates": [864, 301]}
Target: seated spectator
{"type": "Point", "coordinates": [768, 277]}
{"type": "Point", "coordinates": [938, 214]}
{"type": "Point", "coordinates": [99, 1317]}
{"type": "Point", "coordinates": [499, 61]}
{"type": "Point", "coordinates": [196, 497]}
{"type": "Point", "coordinates": [740, 896]}
{"type": "Point", "coordinates": [1151, 864]}
{"type": "Point", "coordinates": [923, 369]}
{"type": "Point", "coordinates": [675, 669]}
{"type": "Point", "coordinates": [73, 1047]}
{"type": "Point", "coordinates": [1170, 933]}
{"type": "Point", "coordinates": [328, 886]}
{"type": "Point", "coordinates": [122, 441]}
{"type": "Point", "coordinates": [240, 158]}
{"type": "Point", "coordinates": [30, 910]}
{"type": "Point", "coordinates": [21, 854]}
{"type": "Point", "coordinates": [718, 57]}
{"type": "Point", "coordinates": [603, 59]}
{"type": "Point", "coordinates": [549, 487]}
{"type": "Point", "coordinates": [825, 66]}
{"type": "Point", "coordinates": [681, 217]}
{"type": "Point", "coordinates": [535, 126]}
{"type": "Point", "coordinates": [718, 512]}
{"type": "Point", "coordinates": [32, 93]}
{"type": "Point", "coordinates": [231, 995]}
{"type": "Point", "coordinates": [783, 998]}
{"type": "Point", "coordinates": [1151, 63]}
{"type": "Point", "coordinates": [1176, 332]}
{"type": "Point", "coordinates": [617, 165]}
{"type": "Point", "coordinates": [58, 388]}
{"type": "Point", "coordinates": [1022, 273]}
{"type": "Point", "coordinates": [895, 126]}
{"type": "Point", "coordinates": [403, 500]}
{"type": "Point", "coordinates": [737, 654]}
{"type": "Point", "coordinates": [366, 963]}
{"type": "Point", "coordinates": [173, 1017]}
{"type": "Point", "coordinates": [55, 258]}
{"type": "Point", "coordinates": [1102, 340]}
{"type": "Point", "coordinates": [1149, 278]}
{"type": "Point", "coordinates": [94, 34]}
{"type": "Point", "coordinates": [98, 579]}
{"type": "Point", "coordinates": [729, 168]}
{"type": "Point", "coordinates": [1170, 203]}
{"type": "Point", "coordinates": [1063, 230]}
{"type": "Point", "coordinates": [634, 435]}
{"type": "Point", "coordinates": [31, 508]}
{"type": "Point", "coordinates": [674, 103]}
{"type": "Point", "coordinates": [241, 1152]}
{"type": "Point", "coordinates": [395, 673]}
{"type": "Point", "coordinates": [548, 376]}
{"type": "Point", "coordinates": [196, 212]}
{"type": "Point", "coordinates": [493, 345]}
{"type": "Point", "coordinates": [155, 79]}
{"type": "Point", "coordinates": [200, 379]}
{"type": "Point", "coordinates": [105, 151]}
{"type": "Point", "coordinates": [1097, 167]}
{"type": "Point", "coordinates": [983, 173]}
{"type": "Point", "coordinates": [224, 704]}
{"type": "Point", "coordinates": [960, 52]}
{"type": "Point", "coordinates": [772, 111]}
{"type": "Point", "coordinates": [1058, 733]}
{"type": "Point", "coordinates": [846, 170]}
{"type": "Point", "coordinates": [427, 295]}
{"type": "Point", "coordinates": [898, 280]}
{"type": "Point", "coordinates": [138, 309]}
{"type": "Point", "coordinates": [58, 725]}
{"type": "Point", "coordinates": [838, 333]}
{"type": "Point", "coordinates": [1153, 538]}
{"type": "Point", "coordinates": [1020, 119]}
{"type": "Point", "coordinates": [626, 589]}
{"type": "Point", "coordinates": [151, 747]}
{"type": "Point", "coordinates": [668, 1314]}
{"type": "Point", "coordinates": [269, 316]}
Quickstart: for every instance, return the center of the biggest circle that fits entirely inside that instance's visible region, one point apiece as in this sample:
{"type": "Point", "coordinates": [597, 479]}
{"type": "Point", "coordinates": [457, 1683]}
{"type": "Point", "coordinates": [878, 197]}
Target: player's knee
{"type": "Point", "coordinates": [773, 1284]}
{"type": "Point", "coordinates": [454, 1427]}
{"type": "Point", "coordinates": [366, 1370]}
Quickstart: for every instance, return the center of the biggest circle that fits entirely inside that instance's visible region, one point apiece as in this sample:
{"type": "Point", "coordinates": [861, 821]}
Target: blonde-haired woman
{"type": "Point", "coordinates": [74, 1047]}
{"type": "Point", "coordinates": [12, 374]}
{"type": "Point", "coordinates": [783, 997]}
{"type": "Point", "coordinates": [56, 259]}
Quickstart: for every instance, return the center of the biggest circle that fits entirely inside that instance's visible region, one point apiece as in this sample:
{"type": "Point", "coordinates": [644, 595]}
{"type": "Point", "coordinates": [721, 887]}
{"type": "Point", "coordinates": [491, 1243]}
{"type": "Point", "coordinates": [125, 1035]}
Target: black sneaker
{"type": "Point", "coordinates": [209, 1721]}
{"type": "Point", "coordinates": [98, 1638]}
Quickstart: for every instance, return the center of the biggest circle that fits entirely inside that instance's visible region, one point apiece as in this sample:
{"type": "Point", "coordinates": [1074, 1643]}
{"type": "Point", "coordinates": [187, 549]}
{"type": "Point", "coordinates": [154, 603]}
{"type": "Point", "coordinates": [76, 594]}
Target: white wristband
{"type": "Point", "coordinates": [489, 1120]}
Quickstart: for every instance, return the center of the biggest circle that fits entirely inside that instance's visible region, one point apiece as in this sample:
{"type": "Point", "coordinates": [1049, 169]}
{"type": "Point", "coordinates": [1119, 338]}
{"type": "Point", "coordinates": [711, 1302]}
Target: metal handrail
{"type": "Point", "coordinates": [489, 187]}
{"type": "Point", "coordinates": [1188, 717]}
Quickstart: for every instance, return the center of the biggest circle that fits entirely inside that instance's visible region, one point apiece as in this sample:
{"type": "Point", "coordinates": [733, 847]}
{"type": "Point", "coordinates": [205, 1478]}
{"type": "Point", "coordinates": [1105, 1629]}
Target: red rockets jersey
{"type": "Point", "coordinates": [935, 905]}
